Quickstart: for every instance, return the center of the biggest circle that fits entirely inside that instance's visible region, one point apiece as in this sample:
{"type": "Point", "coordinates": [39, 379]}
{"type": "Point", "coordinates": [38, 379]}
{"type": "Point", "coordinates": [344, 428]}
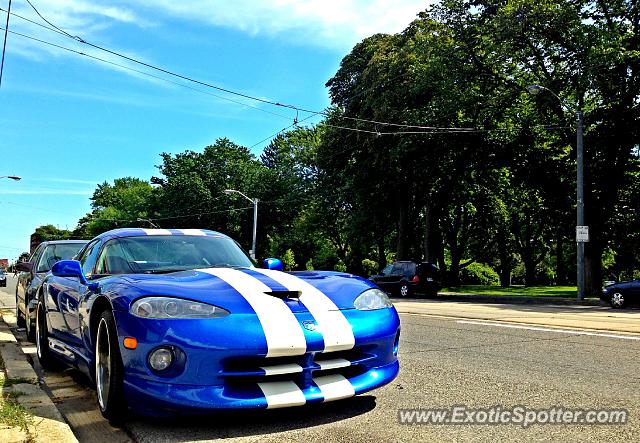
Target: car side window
{"type": "Point", "coordinates": [88, 257]}
{"type": "Point", "coordinates": [397, 269]}
{"type": "Point", "coordinates": [410, 269]}
{"type": "Point", "coordinates": [36, 253]}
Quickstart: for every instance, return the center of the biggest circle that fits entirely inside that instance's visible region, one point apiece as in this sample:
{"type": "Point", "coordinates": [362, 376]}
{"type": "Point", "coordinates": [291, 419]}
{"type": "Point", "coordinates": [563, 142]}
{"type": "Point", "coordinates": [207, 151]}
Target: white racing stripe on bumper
{"type": "Point", "coordinates": [282, 394]}
{"type": "Point", "coordinates": [334, 363]}
{"type": "Point", "coordinates": [334, 387]}
{"type": "Point", "coordinates": [281, 328]}
{"type": "Point", "coordinates": [287, 368]}
{"type": "Point", "coordinates": [332, 324]}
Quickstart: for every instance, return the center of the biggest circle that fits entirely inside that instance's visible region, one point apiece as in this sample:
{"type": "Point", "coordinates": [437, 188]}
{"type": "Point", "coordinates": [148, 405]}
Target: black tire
{"type": "Point", "coordinates": [404, 290]}
{"type": "Point", "coordinates": [109, 374]}
{"type": "Point", "coordinates": [20, 320]}
{"type": "Point", "coordinates": [45, 356]}
{"type": "Point", "coordinates": [31, 330]}
{"type": "Point", "coordinates": [617, 300]}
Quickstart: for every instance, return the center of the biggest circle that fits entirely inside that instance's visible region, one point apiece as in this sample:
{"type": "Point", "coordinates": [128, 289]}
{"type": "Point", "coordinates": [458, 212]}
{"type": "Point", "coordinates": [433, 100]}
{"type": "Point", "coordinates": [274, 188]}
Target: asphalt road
{"type": "Point", "coordinates": [445, 362]}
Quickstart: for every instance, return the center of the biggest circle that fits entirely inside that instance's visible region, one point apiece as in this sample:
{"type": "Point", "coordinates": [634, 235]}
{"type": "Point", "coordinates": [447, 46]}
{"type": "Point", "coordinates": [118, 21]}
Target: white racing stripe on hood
{"type": "Point", "coordinates": [332, 324]}
{"type": "Point", "coordinates": [281, 328]}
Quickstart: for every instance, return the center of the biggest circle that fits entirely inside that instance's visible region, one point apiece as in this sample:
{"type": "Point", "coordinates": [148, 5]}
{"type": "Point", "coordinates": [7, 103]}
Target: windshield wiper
{"type": "Point", "coordinates": [163, 271]}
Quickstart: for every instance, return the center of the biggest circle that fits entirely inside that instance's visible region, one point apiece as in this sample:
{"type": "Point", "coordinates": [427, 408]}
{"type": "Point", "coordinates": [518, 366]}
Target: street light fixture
{"type": "Point", "coordinates": [255, 218]}
{"type": "Point", "coordinates": [12, 177]}
{"type": "Point", "coordinates": [582, 231]}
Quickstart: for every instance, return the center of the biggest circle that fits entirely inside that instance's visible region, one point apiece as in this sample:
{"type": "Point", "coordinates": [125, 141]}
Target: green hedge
{"type": "Point", "coordinates": [479, 274]}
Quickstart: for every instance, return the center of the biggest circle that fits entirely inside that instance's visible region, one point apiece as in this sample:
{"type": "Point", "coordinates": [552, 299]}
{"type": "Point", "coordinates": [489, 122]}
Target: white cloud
{"type": "Point", "coordinates": [333, 24]}
{"type": "Point", "coordinates": [337, 24]}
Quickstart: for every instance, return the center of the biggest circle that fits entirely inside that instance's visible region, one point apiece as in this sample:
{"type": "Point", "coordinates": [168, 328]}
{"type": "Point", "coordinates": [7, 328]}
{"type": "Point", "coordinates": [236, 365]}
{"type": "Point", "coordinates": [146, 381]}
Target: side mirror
{"type": "Point", "coordinates": [24, 266]}
{"type": "Point", "coordinates": [273, 263]}
{"type": "Point", "coordinates": [69, 268]}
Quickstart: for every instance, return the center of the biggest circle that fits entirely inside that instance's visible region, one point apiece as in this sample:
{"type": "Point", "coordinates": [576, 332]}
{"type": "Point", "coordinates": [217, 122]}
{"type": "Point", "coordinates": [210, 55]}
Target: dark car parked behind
{"type": "Point", "coordinates": [404, 278]}
{"type": "Point", "coordinates": [32, 275]}
{"type": "Point", "coordinates": [620, 295]}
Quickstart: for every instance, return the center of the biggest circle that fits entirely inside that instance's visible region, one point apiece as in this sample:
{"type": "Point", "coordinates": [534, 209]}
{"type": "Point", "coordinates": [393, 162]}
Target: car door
{"type": "Point", "coordinates": [25, 279]}
{"type": "Point", "coordinates": [65, 294]}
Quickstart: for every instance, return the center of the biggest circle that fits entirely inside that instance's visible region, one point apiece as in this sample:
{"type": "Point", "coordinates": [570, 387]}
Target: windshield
{"type": "Point", "coordinates": [56, 252]}
{"type": "Point", "coordinates": [164, 253]}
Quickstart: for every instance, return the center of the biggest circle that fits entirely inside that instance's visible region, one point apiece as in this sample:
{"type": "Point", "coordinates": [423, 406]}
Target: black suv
{"type": "Point", "coordinates": [404, 278]}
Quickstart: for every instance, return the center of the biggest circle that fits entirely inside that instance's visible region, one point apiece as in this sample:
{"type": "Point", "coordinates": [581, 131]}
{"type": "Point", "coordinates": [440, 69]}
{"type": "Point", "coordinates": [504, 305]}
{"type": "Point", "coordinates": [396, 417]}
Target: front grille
{"type": "Point", "coordinates": [300, 369]}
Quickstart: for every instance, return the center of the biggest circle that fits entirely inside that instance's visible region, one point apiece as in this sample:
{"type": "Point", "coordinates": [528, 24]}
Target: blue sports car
{"type": "Point", "coordinates": [179, 321]}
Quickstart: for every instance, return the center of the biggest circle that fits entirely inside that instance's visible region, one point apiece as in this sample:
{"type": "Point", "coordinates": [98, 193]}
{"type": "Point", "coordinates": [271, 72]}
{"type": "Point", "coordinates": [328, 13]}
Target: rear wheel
{"type": "Point", "coordinates": [45, 356]}
{"type": "Point", "coordinates": [20, 321]}
{"type": "Point", "coordinates": [31, 330]}
{"type": "Point", "coordinates": [617, 300]}
{"type": "Point", "coordinates": [404, 290]}
{"type": "Point", "coordinates": [109, 370]}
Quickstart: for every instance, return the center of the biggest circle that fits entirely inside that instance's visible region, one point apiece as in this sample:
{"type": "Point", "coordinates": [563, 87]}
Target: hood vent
{"type": "Point", "coordinates": [285, 295]}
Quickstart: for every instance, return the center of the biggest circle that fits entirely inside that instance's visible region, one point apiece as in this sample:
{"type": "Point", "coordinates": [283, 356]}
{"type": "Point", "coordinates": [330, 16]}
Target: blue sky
{"type": "Point", "coordinates": [68, 123]}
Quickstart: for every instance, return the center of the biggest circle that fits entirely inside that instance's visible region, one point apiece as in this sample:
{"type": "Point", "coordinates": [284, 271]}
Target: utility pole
{"type": "Point", "coordinates": [582, 231]}
{"type": "Point", "coordinates": [580, 204]}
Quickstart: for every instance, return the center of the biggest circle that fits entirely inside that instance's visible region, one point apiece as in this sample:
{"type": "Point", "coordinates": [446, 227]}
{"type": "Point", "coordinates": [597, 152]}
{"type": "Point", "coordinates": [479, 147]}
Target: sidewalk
{"type": "Point", "coordinates": [22, 396]}
{"type": "Point", "coordinates": [596, 318]}
{"type": "Point", "coordinates": [515, 299]}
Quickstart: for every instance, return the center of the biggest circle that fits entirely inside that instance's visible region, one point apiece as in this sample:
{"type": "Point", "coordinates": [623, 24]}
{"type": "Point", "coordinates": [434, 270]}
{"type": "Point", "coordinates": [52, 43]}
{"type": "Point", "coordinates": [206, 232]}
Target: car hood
{"type": "Point", "coordinates": [232, 288]}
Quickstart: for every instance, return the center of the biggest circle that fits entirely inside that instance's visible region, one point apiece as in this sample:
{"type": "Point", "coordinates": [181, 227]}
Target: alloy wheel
{"type": "Point", "coordinates": [617, 300]}
{"type": "Point", "coordinates": [103, 364]}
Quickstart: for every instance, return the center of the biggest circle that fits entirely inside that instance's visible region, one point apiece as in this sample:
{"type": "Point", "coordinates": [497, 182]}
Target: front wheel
{"type": "Point", "coordinates": [617, 300]}
{"type": "Point", "coordinates": [109, 370]}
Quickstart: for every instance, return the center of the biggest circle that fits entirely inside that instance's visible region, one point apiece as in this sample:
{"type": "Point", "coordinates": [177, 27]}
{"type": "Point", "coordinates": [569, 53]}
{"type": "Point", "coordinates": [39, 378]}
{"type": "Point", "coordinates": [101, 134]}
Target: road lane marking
{"type": "Point", "coordinates": [560, 331]}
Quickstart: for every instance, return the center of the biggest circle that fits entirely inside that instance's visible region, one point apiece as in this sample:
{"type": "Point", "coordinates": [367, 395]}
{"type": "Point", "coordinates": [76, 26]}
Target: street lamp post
{"type": "Point", "coordinates": [255, 218]}
{"type": "Point", "coordinates": [582, 231]}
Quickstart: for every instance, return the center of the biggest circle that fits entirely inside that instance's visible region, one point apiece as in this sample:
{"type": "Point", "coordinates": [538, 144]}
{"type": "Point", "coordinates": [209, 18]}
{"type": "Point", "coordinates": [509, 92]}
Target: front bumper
{"type": "Point", "coordinates": [223, 364]}
{"type": "Point", "coordinates": [164, 399]}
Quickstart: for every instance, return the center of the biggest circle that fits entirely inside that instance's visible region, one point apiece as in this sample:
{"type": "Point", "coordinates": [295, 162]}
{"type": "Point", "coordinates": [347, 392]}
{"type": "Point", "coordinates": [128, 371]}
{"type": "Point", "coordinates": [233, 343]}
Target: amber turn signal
{"type": "Point", "coordinates": [130, 343]}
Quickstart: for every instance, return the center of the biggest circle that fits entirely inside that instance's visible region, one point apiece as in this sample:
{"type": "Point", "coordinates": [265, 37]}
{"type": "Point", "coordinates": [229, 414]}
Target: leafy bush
{"type": "Point", "coordinates": [479, 274]}
{"type": "Point", "coordinates": [370, 266]}
{"type": "Point", "coordinates": [289, 260]}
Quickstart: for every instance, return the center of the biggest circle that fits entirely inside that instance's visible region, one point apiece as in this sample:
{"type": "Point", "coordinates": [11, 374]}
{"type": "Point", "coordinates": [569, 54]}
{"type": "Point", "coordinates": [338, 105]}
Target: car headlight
{"type": "Point", "coordinates": [169, 307]}
{"type": "Point", "coordinates": [372, 299]}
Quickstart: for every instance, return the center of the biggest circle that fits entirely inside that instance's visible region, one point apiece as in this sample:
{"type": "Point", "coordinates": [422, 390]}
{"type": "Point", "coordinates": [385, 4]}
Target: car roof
{"type": "Point", "coordinates": [138, 232]}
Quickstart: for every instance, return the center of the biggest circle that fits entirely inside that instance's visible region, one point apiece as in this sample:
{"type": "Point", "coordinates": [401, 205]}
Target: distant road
{"type": "Point", "coordinates": [8, 294]}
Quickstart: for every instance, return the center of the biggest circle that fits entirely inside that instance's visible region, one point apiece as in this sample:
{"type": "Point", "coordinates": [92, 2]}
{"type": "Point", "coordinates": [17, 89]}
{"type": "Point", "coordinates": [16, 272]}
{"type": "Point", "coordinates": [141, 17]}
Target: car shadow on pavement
{"type": "Point", "coordinates": [250, 423]}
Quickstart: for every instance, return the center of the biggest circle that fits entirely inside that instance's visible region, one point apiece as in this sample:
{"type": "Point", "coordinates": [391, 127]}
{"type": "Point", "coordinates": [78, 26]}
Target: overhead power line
{"type": "Point", "coordinates": [226, 90]}
{"type": "Point", "coordinates": [4, 45]}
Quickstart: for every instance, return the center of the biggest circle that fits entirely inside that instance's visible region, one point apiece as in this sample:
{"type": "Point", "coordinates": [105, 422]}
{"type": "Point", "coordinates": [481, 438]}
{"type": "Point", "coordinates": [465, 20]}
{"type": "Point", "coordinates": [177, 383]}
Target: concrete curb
{"type": "Point", "coordinates": [48, 424]}
{"type": "Point", "coordinates": [514, 299]}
